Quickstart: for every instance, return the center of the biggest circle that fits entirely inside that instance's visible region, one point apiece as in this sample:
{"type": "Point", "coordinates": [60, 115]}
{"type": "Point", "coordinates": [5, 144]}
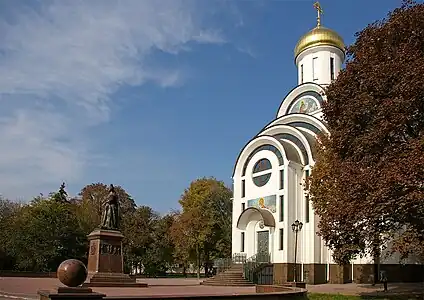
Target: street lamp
{"type": "Point", "coordinates": [296, 227]}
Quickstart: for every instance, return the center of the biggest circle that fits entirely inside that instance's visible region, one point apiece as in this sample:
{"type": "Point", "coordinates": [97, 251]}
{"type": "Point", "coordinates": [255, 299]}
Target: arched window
{"type": "Point", "coordinates": [261, 167]}
{"type": "Point", "coordinates": [265, 148]}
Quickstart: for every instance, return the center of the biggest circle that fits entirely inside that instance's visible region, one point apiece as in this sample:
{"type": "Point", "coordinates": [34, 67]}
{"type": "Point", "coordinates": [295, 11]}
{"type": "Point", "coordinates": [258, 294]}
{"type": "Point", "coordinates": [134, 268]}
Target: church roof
{"type": "Point", "coordinates": [319, 36]}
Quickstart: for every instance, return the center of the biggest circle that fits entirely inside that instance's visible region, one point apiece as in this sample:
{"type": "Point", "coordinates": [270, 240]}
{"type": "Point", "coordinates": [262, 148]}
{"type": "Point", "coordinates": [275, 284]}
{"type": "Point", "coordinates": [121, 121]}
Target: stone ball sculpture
{"type": "Point", "coordinates": [72, 272]}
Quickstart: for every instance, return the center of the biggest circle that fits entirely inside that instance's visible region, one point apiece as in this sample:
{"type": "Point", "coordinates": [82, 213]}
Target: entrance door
{"type": "Point", "coordinates": [263, 242]}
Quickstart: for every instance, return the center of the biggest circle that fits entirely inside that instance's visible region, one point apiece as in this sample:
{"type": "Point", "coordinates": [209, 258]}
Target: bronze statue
{"type": "Point", "coordinates": [63, 195]}
{"type": "Point", "coordinates": [111, 217]}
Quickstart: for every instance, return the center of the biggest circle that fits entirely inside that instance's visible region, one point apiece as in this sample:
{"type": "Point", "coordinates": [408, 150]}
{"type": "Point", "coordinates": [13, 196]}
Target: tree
{"type": "Point", "coordinates": [91, 204]}
{"type": "Point", "coordinates": [45, 233]}
{"type": "Point", "coordinates": [146, 241]}
{"type": "Point", "coordinates": [163, 244]}
{"type": "Point", "coordinates": [8, 209]}
{"type": "Point", "coordinates": [204, 226]}
{"type": "Point", "coordinates": [179, 234]}
{"type": "Point", "coordinates": [367, 184]}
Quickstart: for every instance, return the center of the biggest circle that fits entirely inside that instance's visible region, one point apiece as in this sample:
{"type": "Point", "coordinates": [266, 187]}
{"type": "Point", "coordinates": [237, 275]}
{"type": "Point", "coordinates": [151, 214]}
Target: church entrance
{"type": "Point", "coordinates": [263, 242]}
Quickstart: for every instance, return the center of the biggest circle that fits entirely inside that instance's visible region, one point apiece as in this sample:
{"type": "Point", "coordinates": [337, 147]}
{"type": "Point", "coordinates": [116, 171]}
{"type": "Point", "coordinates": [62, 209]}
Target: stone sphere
{"type": "Point", "coordinates": [72, 272]}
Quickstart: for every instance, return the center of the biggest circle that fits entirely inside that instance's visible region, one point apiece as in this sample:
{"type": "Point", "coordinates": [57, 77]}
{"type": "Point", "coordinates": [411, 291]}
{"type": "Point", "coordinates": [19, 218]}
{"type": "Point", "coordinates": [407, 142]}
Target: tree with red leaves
{"type": "Point", "coordinates": [368, 183]}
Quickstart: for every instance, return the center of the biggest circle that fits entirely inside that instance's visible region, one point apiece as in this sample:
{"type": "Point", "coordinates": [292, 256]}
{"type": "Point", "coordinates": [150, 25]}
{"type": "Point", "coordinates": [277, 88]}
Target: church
{"type": "Point", "coordinates": [272, 212]}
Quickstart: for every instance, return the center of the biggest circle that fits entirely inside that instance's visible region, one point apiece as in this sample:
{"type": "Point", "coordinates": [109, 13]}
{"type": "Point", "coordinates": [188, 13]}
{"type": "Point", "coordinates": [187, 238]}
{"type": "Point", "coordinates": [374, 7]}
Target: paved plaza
{"type": "Point", "coordinates": [26, 288]}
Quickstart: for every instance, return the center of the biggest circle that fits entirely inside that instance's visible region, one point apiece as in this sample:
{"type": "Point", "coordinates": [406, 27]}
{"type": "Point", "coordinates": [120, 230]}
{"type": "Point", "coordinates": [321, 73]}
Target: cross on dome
{"type": "Point", "coordinates": [317, 6]}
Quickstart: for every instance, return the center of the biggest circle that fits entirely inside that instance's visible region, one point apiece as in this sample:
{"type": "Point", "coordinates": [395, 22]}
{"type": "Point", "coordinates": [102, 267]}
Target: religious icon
{"type": "Point", "coordinates": [304, 106]}
{"type": "Point", "coordinates": [261, 203]}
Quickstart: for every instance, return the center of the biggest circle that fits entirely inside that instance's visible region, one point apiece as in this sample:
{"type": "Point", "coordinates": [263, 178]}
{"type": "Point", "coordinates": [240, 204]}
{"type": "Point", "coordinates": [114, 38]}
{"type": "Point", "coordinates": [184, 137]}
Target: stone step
{"type": "Point", "coordinates": [227, 283]}
{"type": "Point", "coordinates": [226, 275]}
{"type": "Point", "coordinates": [230, 277]}
{"type": "Point", "coordinates": [224, 278]}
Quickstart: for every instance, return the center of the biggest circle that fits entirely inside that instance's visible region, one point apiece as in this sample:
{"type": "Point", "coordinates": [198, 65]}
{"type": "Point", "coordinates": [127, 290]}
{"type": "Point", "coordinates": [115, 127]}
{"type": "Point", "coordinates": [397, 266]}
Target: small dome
{"type": "Point", "coordinates": [319, 36]}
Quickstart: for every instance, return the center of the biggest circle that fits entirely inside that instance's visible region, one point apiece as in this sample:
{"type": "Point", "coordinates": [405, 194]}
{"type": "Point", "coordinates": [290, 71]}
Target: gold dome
{"type": "Point", "coordinates": [319, 36]}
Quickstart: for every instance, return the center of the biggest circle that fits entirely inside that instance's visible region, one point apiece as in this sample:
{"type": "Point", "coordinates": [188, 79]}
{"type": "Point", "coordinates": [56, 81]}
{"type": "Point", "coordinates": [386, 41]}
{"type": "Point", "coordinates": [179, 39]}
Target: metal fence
{"type": "Point", "coordinates": [258, 269]}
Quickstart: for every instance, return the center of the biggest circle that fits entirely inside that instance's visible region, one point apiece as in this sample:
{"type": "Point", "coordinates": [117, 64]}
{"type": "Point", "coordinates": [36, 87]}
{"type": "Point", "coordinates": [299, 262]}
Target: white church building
{"type": "Point", "coordinates": [270, 172]}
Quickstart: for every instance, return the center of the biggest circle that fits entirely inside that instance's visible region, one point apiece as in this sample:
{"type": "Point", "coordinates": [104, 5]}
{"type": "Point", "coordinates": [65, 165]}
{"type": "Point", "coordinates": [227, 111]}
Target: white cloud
{"type": "Point", "coordinates": [59, 65]}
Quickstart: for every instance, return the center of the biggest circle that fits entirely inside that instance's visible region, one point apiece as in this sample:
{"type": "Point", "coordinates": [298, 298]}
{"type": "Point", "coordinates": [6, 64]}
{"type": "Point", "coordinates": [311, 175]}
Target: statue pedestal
{"type": "Point", "coordinates": [105, 261]}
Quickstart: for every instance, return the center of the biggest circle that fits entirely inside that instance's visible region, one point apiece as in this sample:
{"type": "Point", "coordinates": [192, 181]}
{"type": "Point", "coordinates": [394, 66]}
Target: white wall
{"type": "Point", "coordinates": [322, 67]}
{"type": "Point", "coordinates": [294, 209]}
{"type": "Point", "coordinates": [253, 192]}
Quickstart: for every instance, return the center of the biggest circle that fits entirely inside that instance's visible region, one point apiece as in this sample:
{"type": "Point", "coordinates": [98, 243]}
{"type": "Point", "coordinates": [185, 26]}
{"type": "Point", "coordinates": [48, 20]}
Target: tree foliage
{"type": "Point", "coordinates": [147, 243]}
{"type": "Point", "coordinates": [44, 234]}
{"type": "Point", "coordinates": [92, 200]}
{"type": "Point", "coordinates": [203, 229]}
{"type": "Point", "coordinates": [39, 235]}
{"type": "Point", "coordinates": [367, 183]}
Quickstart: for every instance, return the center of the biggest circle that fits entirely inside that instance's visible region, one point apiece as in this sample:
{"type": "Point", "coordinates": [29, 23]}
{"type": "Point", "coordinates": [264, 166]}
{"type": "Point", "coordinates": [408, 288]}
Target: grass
{"type": "Point", "coordinates": [314, 296]}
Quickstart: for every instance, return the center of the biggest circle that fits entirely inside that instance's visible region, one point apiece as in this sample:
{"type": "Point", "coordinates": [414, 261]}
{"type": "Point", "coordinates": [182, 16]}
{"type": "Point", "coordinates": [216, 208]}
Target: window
{"type": "Point", "coordinates": [315, 68]}
{"type": "Point", "coordinates": [242, 242]}
{"type": "Point", "coordinates": [301, 73]}
{"type": "Point", "coordinates": [281, 238]}
{"type": "Point", "coordinates": [332, 68]}
{"type": "Point", "coordinates": [243, 188]}
{"type": "Point", "coordinates": [263, 148]}
{"type": "Point", "coordinates": [243, 206]}
{"type": "Point", "coordinates": [281, 208]}
{"type": "Point", "coordinates": [307, 208]}
{"type": "Point", "coordinates": [263, 167]}
{"type": "Point", "coordinates": [307, 179]}
{"type": "Point", "coordinates": [281, 179]}
{"type": "Point", "coordinates": [261, 180]}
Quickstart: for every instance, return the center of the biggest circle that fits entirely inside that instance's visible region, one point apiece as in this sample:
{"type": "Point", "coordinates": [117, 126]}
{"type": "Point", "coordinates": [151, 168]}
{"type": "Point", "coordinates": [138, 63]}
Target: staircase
{"type": "Point", "coordinates": [238, 270]}
{"type": "Point", "coordinates": [233, 276]}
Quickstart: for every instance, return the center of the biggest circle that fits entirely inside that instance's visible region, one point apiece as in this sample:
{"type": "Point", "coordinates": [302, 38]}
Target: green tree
{"type": "Point", "coordinates": [203, 229]}
{"type": "Point", "coordinates": [367, 183]}
{"type": "Point", "coordinates": [147, 243]}
{"type": "Point", "coordinates": [163, 244]}
{"type": "Point", "coordinates": [91, 204]}
{"type": "Point", "coordinates": [8, 209]}
{"type": "Point", "coordinates": [46, 232]}
{"type": "Point", "coordinates": [179, 233]}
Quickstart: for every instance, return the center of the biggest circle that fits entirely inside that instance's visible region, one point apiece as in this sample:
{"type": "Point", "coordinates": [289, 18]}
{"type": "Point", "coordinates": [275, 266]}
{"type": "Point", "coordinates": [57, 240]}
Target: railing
{"type": "Point", "coordinates": [253, 265]}
{"type": "Point", "coordinates": [223, 264]}
{"type": "Point", "coordinates": [239, 258]}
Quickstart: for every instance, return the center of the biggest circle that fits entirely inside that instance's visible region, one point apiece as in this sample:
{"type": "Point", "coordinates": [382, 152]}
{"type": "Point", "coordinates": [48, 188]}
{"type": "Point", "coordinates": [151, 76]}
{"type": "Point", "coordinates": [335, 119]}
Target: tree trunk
{"type": "Point", "coordinates": [376, 257]}
{"type": "Point", "coordinates": [206, 263]}
{"type": "Point", "coordinates": [198, 261]}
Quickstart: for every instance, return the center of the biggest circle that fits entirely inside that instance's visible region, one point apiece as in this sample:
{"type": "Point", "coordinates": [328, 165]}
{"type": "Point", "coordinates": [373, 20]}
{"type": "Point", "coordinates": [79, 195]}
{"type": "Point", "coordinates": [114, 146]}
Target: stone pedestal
{"type": "Point", "coordinates": [77, 293]}
{"type": "Point", "coordinates": [105, 261]}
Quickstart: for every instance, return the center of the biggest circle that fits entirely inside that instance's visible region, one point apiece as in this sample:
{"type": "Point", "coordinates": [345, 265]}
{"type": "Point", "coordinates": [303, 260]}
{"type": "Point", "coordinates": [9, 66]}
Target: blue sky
{"type": "Point", "coordinates": [149, 95]}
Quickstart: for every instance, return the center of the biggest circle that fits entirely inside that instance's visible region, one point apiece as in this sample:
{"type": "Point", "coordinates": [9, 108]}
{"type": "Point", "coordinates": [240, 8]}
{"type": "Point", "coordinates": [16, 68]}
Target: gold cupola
{"type": "Point", "coordinates": [319, 36]}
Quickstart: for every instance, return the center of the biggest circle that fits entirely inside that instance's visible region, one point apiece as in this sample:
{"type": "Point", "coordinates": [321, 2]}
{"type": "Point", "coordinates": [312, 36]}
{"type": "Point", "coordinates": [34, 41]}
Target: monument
{"type": "Point", "coordinates": [105, 259]}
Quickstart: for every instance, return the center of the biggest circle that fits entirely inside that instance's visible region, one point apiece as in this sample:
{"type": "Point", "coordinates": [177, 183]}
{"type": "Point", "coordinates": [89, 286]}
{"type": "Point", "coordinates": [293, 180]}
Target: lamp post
{"type": "Point", "coordinates": [296, 227]}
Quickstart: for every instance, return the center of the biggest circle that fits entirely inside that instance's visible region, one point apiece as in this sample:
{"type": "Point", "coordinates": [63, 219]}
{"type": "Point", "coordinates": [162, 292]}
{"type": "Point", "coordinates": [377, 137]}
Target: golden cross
{"type": "Point", "coordinates": [317, 6]}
